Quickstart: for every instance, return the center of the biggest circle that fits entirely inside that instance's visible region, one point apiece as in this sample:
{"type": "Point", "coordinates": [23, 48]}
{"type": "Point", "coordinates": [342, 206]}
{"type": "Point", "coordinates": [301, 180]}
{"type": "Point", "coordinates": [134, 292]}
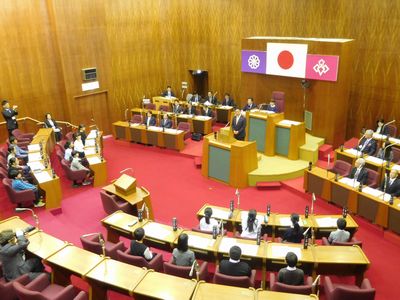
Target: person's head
{"type": "Point", "coordinates": [380, 122]}
{"type": "Point", "coordinates": [11, 149]}
{"type": "Point", "coordinates": [235, 252]}
{"type": "Point", "coordinates": [78, 137]}
{"type": "Point", "coordinates": [67, 145]}
{"type": "Point", "coordinates": [165, 116]}
{"type": "Point", "coordinates": [360, 162]}
{"type": "Point", "coordinates": [249, 101]}
{"type": "Point", "coordinates": [251, 218]}
{"type": "Point", "coordinates": [169, 88]}
{"type": "Point", "coordinates": [237, 112]}
{"type": "Point", "coordinates": [149, 114]}
{"type": "Point", "coordinates": [5, 104]}
{"type": "Point", "coordinates": [176, 102]}
{"type": "Point", "coordinates": [209, 94]}
{"type": "Point", "coordinates": [183, 244]}
{"type": "Point", "coordinates": [291, 259]}
{"type": "Point", "coordinates": [295, 218]}
{"type": "Point", "coordinates": [75, 154]}
{"type": "Point", "coordinates": [195, 93]}
{"type": "Point", "coordinates": [13, 162]}
{"type": "Point", "coordinates": [6, 236]}
{"type": "Point", "coordinates": [13, 140]}
{"type": "Point", "coordinates": [138, 234]}
{"type": "Point", "coordinates": [207, 214]}
{"type": "Point", "coordinates": [393, 174]}
{"type": "Point", "coordinates": [81, 127]}
{"type": "Point", "coordinates": [47, 116]}
{"type": "Point", "coordinates": [227, 96]}
{"type": "Point", "coordinates": [272, 102]}
{"type": "Point", "coordinates": [341, 223]}
{"type": "Point", "coordinates": [15, 174]}
{"type": "Point", "coordinates": [369, 133]}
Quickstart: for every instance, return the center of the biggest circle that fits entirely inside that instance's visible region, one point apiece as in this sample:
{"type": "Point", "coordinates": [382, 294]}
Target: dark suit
{"type": "Point", "coordinates": [212, 100]}
{"type": "Point", "coordinates": [48, 125]}
{"type": "Point", "coordinates": [392, 189]}
{"type": "Point", "coordinates": [228, 103]}
{"type": "Point", "coordinates": [167, 123]}
{"type": "Point", "coordinates": [177, 109]}
{"type": "Point", "coordinates": [270, 108]}
{"type": "Point", "coordinates": [11, 121]}
{"type": "Point", "coordinates": [152, 121]}
{"type": "Point", "coordinates": [195, 98]}
{"type": "Point", "coordinates": [207, 112]}
{"type": "Point", "coordinates": [234, 269]}
{"type": "Point", "coordinates": [369, 148]}
{"type": "Point", "coordinates": [165, 94]}
{"type": "Point", "coordinates": [249, 107]}
{"type": "Point", "coordinates": [362, 175]}
{"type": "Point", "coordinates": [384, 131]}
{"type": "Point", "coordinates": [239, 126]}
{"type": "Point", "coordinates": [291, 277]}
{"type": "Point", "coordinates": [191, 111]}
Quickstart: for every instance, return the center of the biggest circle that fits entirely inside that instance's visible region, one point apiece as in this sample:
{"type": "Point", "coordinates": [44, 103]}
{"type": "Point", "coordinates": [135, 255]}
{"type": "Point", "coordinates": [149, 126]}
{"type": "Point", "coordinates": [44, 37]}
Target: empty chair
{"type": "Point", "coordinates": [353, 241]}
{"type": "Point", "coordinates": [392, 130]}
{"type": "Point", "coordinates": [276, 286]}
{"type": "Point", "coordinates": [156, 263]}
{"type": "Point", "coordinates": [7, 291]}
{"type": "Point", "coordinates": [41, 289]}
{"type": "Point", "coordinates": [21, 198]}
{"type": "Point", "coordinates": [22, 136]}
{"type": "Point", "coordinates": [335, 291]}
{"type": "Point", "coordinates": [279, 98]}
{"type": "Point", "coordinates": [373, 178]}
{"type": "Point", "coordinates": [92, 243]}
{"type": "Point", "coordinates": [185, 126]}
{"type": "Point", "coordinates": [137, 119]}
{"type": "Point", "coordinates": [74, 175]}
{"type": "Point", "coordinates": [341, 168]}
{"type": "Point", "coordinates": [111, 203]}
{"type": "Point", "coordinates": [150, 106]}
{"type": "Point", "coordinates": [240, 281]}
{"type": "Point", "coordinates": [396, 155]}
{"type": "Point", "coordinates": [172, 269]}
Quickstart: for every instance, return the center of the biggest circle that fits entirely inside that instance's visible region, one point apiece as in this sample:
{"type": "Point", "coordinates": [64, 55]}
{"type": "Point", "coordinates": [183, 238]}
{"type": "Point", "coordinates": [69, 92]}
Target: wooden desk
{"type": "Point", "coordinates": [223, 113]}
{"type": "Point", "coordinates": [44, 245]}
{"type": "Point", "coordinates": [203, 245]}
{"type": "Point", "coordinates": [289, 137]}
{"type": "Point", "coordinates": [52, 187]}
{"type": "Point", "coordinates": [99, 167]}
{"type": "Point", "coordinates": [113, 275]}
{"type": "Point", "coordinates": [160, 235]}
{"type": "Point", "coordinates": [394, 216]}
{"type": "Point", "coordinates": [207, 291]}
{"type": "Point", "coordinates": [340, 260]}
{"type": "Point", "coordinates": [266, 295]}
{"type": "Point", "coordinates": [324, 224]}
{"type": "Point", "coordinates": [13, 223]}
{"type": "Point", "coordinates": [71, 260]}
{"type": "Point", "coordinates": [281, 222]}
{"type": "Point", "coordinates": [162, 286]}
{"type": "Point", "coordinates": [160, 100]}
{"type": "Point", "coordinates": [221, 213]}
{"type": "Point", "coordinates": [317, 181]}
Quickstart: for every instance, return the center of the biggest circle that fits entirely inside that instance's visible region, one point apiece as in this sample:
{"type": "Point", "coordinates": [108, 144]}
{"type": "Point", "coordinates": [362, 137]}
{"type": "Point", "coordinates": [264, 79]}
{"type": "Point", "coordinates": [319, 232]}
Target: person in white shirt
{"type": "Point", "coordinates": [339, 235]}
{"type": "Point", "coordinates": [207, 223]}
{"type": "Point", "coordinates": [76, 165]}
{"type": "Point", "coordinates": [68, 150]}
{"type": "Point", "coordinates": [50, 123]}
{"type": "Point", "coordinates": [78, 146]}
{"type": "Point", "coordinates": [250, 225]}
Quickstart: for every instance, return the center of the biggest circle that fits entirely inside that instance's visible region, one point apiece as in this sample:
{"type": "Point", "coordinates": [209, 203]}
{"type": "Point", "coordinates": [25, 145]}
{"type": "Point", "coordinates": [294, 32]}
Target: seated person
{"type": "Point", "coordinates": [211, 98]}
{"type": "Point", "coordinates": [250, 105]}
{"type": "Point", "coordinates": [150, 120]}
{"type": "Point", "coordinates": [195, 98]}
{"type": "Point", "coordinates": [19, 152]}
{"type": "Point", "coordinates": [69, 146]}
{"type": "Point", "coordinates": [14, 166]}
{"type": "Point", "coordinates": [391, 183]}
{"type": "Point", "coordinates": [367, 144]}
{"type": "Point", "coordinates": [359, 172]}
{"type": "Point", "coordinates": [168, 92]}
{"type": "Point", "coordinates": [207, 112]}
{"type": "Point", "coordinates": [340, 234]}
{"type": "Point", "coordinates": [50, 123]}
{"type": "Point", "coordinates": [380, 129]}
{"type": "Point", "coordinates": [227, 100]}
{"type": "Point", "coordinates": [12, 153]}
{"type": "Point", "coordinates": [294, 234]}
{"type": "Point", "coordinates": [19, 184]}
{"type": "Point", "coordinates": [207, 223]}
{"type": "Point", "coordinates": [76, 165]}
{"type": "Point", "coordinates": [271, 106]}
{"type": "Point", "coordinates": [166, 122]}
{"type": "Point", "coordinates": [387, 154]}
{"type": "Point", "coordinates": [79, 146]}
{"type": "Point", "coordinates": [190, 110]}
{"type": "Point", "coordinates": [82, 132]}
{"type": "Point", "coordinates": [233, 266]}
{"type": "Point", "coordinates": [176, 108]}
{"type": "Point", "coordinates": [137, 247]}
{"type": "Point", "coordinates": [12, 256]}
{"type": "Point", "coordinates": [181, 255]}
{"type": "Point", "coordinates": [250, 225]}
{"type": "Point", "coordinates": [291, 275]}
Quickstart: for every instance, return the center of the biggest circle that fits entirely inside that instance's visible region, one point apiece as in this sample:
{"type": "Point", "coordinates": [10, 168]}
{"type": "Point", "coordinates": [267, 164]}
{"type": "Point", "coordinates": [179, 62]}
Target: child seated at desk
{"type": "Point", "coordinates": [207, 223]}
{"type": "Point", "coordinates": [137, 247]}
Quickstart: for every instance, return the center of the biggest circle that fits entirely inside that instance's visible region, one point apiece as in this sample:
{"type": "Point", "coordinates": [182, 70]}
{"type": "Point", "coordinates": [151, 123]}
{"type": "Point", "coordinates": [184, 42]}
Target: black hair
{"type": "Point", "coordinates": [251, 219]}
{"type": "Point", "coordinates": [12, 139]}
{"type": "Point", "coordinates": [14, 174]}
{"type": "Point", "coordinates": [207, 214]}
{"type": "Point", "coordinates": [250, 98]}
{"type": "Point", "coordinates": [291, 259]}
{"type": "Point", "coordinates": [81, 126]}
{"type": "Point", "coordinates": [227, 94]}
{"type": "Point", "coordinates": [45, 115]}
{"type": "Point", "coordinates": [4, 102]}
{"type": "Point", "coordinates": [67, 144]}
{"type": "Point", "coordinates": [235, 252]}
{"type": "Point", "coordinates": [11, 148]}
{"type": "Point", "coordinates": [138, 234]}
{"type": "Point", "coordinates": [74, 153]}
{"type": "Point", "coordinates": [295, 221]}
{"type": "Point", "coordinates": [12, 161]}
{"type": "Point", "coordinates": [341, 223]}
{"type": "Point", "coordinates": [183, 242]}
{"type": "Point", "coordinates": [168, 86]}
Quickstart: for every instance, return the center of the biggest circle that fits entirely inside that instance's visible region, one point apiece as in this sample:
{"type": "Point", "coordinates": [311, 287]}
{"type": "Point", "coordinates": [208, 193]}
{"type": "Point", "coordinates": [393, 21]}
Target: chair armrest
{"type": "Point", "coordinates": [272, 280]}
{"type": "Point", "coordinates": [325, 241]}
{"type": "Point", "coordinates": [157, 262]}
{"type": "Point", "coordinates": [23, 279]}
{"type": "Point", "coordinates": [81, 296]}
{"type": "Point", "coordinates": [252, 278]}
{"type": "Point", "coordinates": [366, 284]}
{"type": "Point", "coordinates": [328, 285]}
{"type": "Point", "coordinates": [39, 283]}
{"type": "Point", "coordinates": [69, 292]}
{"type": "Point", "coordinates": [309, 281]}
{"type": "Point", "coordinates": [203, 272]}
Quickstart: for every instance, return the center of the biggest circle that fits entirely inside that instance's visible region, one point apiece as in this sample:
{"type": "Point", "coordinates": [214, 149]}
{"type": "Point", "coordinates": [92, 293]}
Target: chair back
{"type": "Point", "coordinates": [137, 261]}
{"type": "Point", "coordinates": [294, 289]}
{"type": "Point", "coordinates": [352, 293]}
{"type": "Point", "coordinates": [3, 173]}
{"type": "Point", "coordinates": [180, 271]}
{"type": "Point", "coordinates": [137, 119]}
{"type": "Point", "coordinates": [109, 202]}
{"type": "Point", "coordinates": [341, 168]}
{"type": "Point", "coordinates": [352, 242]}
{"type": "Point", "coordinates": [185, 126]}
{"type": "Point", "coordinates": [240, 281]}
{"type": "Point", "coordinates": [373, 178]}
{"type": "Point", "coordinates": [60, 155]}
{"type": "Point", "coordinates": [279, 98]}
{"type": "Point", "coordinates": [151, 106]}
{"type": "Point", "coordinates": [92, 244]}
{"type": "Point", "coordinates": [396, 155]}
{"type": "Point", "coordinates": [392, 130]}
{"type": "Point", "coordinates": [23, 293]}
{"type": "Point", "coordinates": [70, 136]}
{"type": "Point", "coordinates": [164, 108]}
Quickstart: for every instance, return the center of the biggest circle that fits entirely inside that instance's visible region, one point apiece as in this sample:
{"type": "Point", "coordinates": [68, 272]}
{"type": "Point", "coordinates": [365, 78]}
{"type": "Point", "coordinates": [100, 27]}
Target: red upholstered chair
{"type": "Point", "coordinates": [3, 173]}
{"type": "Point", "coordinates": [373, 178]}
{"type": "Point", "coordinates": [276, 286]}
{"type": "Point", "coordinates": [185, 126]}
{"type": "Point", "coordinates": [164, 108]}
{"type": "Point", "coordinates": [172, 269]}
{"type": "Point", "coordinates": [240, 281]}
{"type": "Point", "coordinates": [69, 136]}
{"type": "Point", "coordinates": [6, 288]}
{"type": "Point", "coordinates": [92, 244]}
{"type": "Point", "coordinates": [156, 263]}
{"type": "Point", "coordinates": [150, 106]}
{"type": "Point", "coordinates": [137, 119]}
{"type": "Point", "coordinates": [22, 136]}
{"type": "Point", "coordinates": [75, 176]}
{"type": "Point", "coordinates": [353, 241]}
{"type": "Point", "coordinates": [396, 155]}
{"type": "Point", "coordinates": [111, 203]}
{"type": "Point", "coordinates": [22, 198]}
{"type": "Point", "coordinates": [60, 155]}
{"type": "Point", "coordinates": [41, 289]}
{"type": "Point", "coordinates": [341, 168]}
{"type": "Point", "coordinates": [3, 152]}
{"type": "Point", "coordinates": [392, 130]}
{"type": "Point", "coordinates": [348, 292]}
{"type": "Point", "coordinates": [279, 98]}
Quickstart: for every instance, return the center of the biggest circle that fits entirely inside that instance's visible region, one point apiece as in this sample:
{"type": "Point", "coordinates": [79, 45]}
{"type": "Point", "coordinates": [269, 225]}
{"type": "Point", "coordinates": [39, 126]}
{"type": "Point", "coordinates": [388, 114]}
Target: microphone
{"type": "Point", "coordinates": [221, 227]}
{"type": "Point", "coordinates": [214, 232]}
{"type": "Point", "coordinates": [174, 224]}
{"type": "Point", "coordinates": [259, 235]}
{"type": "Point", "coordinates": [306, 212]}
{"type": "Point", "coordinates": [358, 146]}
{"type": "Point", "coordinates": [312, 203]}
{"type": "Point", "coordinates": [314, 285]}
{"type": "Point", "coordinates": [237, 193]}
{"type": "Point", "coordinates": [226, 125]}
{"type": "Point", "coordinates": [35, 217]}
{"type": "Point", "coordinates": [126, 115]}
{"type": "Point", "coordinates": [145, 209]}
{"type": "Point", "coordinates": [231, 208]}
{"type": "Point", "coordinates": [305, 232]}
{"type": "Point", "coordinates": [386, 182]}
{"type": "Point", "coordinates": [195, 267]}
{"type": "Point", "coordinates": [388, 123]}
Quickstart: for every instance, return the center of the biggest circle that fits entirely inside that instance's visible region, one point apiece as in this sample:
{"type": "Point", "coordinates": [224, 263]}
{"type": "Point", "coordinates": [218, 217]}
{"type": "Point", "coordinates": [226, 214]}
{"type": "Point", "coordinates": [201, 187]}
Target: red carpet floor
{"type": "Point", "coordinates": [178, 190]}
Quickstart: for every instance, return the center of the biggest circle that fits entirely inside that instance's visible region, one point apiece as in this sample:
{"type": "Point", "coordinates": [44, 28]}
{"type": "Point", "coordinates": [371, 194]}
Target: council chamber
{"type": "Point", "coordinates": [199, 149]}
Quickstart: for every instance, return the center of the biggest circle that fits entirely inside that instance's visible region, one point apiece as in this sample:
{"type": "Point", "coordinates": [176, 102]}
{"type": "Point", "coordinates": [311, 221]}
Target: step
{"type": "Point", "coordinates": [268, 185]}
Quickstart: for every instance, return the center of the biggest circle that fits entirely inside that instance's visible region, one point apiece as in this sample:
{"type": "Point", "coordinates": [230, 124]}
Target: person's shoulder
{"type": "Point", "coordinates": [175, 251]}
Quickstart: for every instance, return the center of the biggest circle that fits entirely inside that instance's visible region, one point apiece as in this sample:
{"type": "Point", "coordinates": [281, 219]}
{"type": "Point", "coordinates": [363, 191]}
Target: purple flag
{"type": "Point", "coordinates": [322, 67]}
{"type": "Point", "coordinates": [254, 61]}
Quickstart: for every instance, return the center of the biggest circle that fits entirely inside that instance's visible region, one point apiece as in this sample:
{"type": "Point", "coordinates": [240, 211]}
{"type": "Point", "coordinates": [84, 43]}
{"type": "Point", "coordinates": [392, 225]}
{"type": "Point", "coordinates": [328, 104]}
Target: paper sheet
{"type": "Point", "coordinates": [154, 128]}
{"type": "Point", "coordinates": [281, 251]}
{"type": "Point", "coordinates": [185, 116]}
{"type": "Point", "coordinates": [220, 214]}
{"type": "Point", "coordinates": [374, 159]}
{"type": "Point", "coordinates": [376, 193]}
{"type": "Point", "coordinates": [326, 222]}
{"type": "Point", "coordinates": [91, 135]}
{"type": "Point", "coordinates": [247, 249]}
{"type": "Point", "coordinates": [394, 140]}
{"type": "Point", "coordinates": [34, 156]}
{"type": "Point", "coordinates": [90, 151]}
{"type": "Point", "coordinates": [156, 231]}
{"type": "Point", "coordinates": [225, 107]}
{"type": "Point", "coordinates": [288, 122]}
{"type": "Point", "coordinates": [90, 143]}
{"type": "Point", "coordinates": [42, 177]}
{"type": "Point", "coordinates": [379, 136]}
{"type": "Point", "coordinates": [396, 167]}
{"type": "Point", "coordinates": [350, 182]}
{"type": "Point", "coordinates": [33, 147]}
{"type": "Point", "coordinates": [200, 242]}
{"type": "Point", "coordinates": [285, 221]}
{"type": "Point", "coordinates": [203, 118]}
{"type": "Point", "coordinates": [93, 160]}
{"type": "Point", "coordinates": [353, 152]}
{"type": "Point", "coordinates": [172, 131]}
{"type": "Point", "coordinates": [36, 166]}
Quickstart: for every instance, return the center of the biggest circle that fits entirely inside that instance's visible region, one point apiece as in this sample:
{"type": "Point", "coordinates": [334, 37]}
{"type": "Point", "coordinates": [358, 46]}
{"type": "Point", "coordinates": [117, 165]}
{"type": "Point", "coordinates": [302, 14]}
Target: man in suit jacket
{"type": "Point", "coordinates": [207, 112]}
{"type": "Point", "coordinates": [150, 120]}
{"type": "Point", "coordinates": [190, 110]}
{"type": "Point", "coordinates": [359, 172]}
{"type": "Point", "coordinates": [227, 100]}
{"type": "Point", "coordinates": [176, 108]}
{"type": "Point", "coordinates": [233, 266]}
{"type": "Point", "coordinates": [50, 123]}
{"type": "Point", "coordinates": [166, 122]}
{"type": "Point", "coordinates": [367, 144]}
{"type": "Point", "coordinates": [12, 256]}
{"type": "Point", "coordinates": [239, 125]}
{"type": "Point", "coordinates": [210, 98]}
{"type": "Point", "coordinates": [168, 92]}
{"type": "Point", "coordinates": [10, 116]}
{"type": "Point", "coordinates": [339, 235]}
{"type": "Point", "coordinates": [195, 98]}
{"type": "Point", "coordinates": [291, 275]}
{"type": "Point", "coordinates": [391, 184]}
{"type": "Point", "coordinates": [250, 105]}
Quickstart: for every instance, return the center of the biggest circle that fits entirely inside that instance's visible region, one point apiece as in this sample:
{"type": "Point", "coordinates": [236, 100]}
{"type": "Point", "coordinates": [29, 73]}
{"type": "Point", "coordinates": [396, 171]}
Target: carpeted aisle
{"type": "Point", "coordinates": [178, 190]}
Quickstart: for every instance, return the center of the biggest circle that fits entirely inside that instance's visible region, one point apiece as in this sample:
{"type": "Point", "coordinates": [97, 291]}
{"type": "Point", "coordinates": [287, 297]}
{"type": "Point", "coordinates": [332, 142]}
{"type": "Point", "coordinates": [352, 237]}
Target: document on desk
{"type": "Point", "coordinates": [90, 143]}
{"type": "Point", "coordinates": [379, 136]}
{"type": "Point", "coordinates": [374, 159]}
{"type": "Point", "coordinates": [34, 156]}
{"type": "Point", "coordinates": [394, 140]}
{"type": "Point", "coordinates": [353, 152]}
{"type": "Point", "coordinates": [173, 131]}
{"type": "Point", "coordinates": [90, 151]}
{"type": "Point", "coordinates": [154, 128]}
{"type": "Point", "coordinates": [220, 214]}
{"type": "Point", "coordinates": [288, 123]}
{"type": "Point", "coordinates": [93, 160]}
{"type": "Point", "coordinates": [281, 251]}
{"type": "Point", "coordinates": [92, 134]}
{"type": "Point", "coordinates": [42, 177]}
{"type": "Point", "coordinates": [36, 166]}
{"type": "Point", "coordinates": [33, 147]}
{"type": "Point", "coordinates": [247, 249]}
{"type": "Point", "coordinates": [285, 221]}
{"type": "Point", "coordinates": [203, 118]}
{"type": "Point", "coordinates": [225, 107]}
{"type": "Point", "coordinates": [186, 116]}
{"type": "Point", "coordinates": [326, 222]}
{"type": "Point", "coordinates": [350, 182]}
{"type": "Point", "coordinates": [396, 167]}
{"type": "Point", "coordinates": [200, 242]}
{"type": "Point", "coordinates": [156, 230]}
{"type": "Point", "coordinates": [376, 193]}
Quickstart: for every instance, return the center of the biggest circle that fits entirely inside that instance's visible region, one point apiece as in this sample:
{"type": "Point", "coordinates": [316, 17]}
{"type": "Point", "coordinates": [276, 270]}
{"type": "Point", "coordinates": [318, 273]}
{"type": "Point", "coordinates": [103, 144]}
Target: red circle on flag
{"type": "Point", "coordinates": [285, 59]}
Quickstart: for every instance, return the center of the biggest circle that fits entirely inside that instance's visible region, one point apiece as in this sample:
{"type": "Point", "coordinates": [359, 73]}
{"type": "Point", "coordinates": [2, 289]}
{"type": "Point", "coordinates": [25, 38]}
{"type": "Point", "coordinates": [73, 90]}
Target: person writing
{"type": "Point", "coordinates": [291, 275]}
{"type": "Point", "coordinates": [181, 255]}
{"type": "Point", "coordinates": [9, 115]}
{"type": "Point", "coordinates": [340, 234]}
{"type": "Point", "coordinates": [250, 225]}
{"type": "Point", "coordinates": [239, 126]}
{"type": "Point", "coordinates": [190, 110]}
{"type": "Point", "coordinates": [207, 223]}
{"type": "Point", "coordinates": [50, 123]}
{"type": "Point", "coordinates": [211, 98]}
{"type": "Point", "coordinates": [294, 234]}
{"type": "Point", "coordinates": [137, 247]}
{"type": "Point", "coordinates": [207, 112]}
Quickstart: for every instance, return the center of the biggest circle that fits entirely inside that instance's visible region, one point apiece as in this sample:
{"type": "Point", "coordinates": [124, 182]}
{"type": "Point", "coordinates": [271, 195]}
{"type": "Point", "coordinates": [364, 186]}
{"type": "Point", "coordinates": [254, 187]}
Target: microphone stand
{"type": "Point", "coordinates": [238, 198]}
{"type": "Point", "coordinates": [384, 125]}
{"type": "Point", "coordinates": [358, 146]}
{"type": "Point", "coordinates": [35, 217]}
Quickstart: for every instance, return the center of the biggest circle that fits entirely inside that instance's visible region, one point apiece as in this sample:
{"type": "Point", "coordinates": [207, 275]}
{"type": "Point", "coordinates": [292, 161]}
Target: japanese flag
{"type": "Point", "coordinates": [287, 59]}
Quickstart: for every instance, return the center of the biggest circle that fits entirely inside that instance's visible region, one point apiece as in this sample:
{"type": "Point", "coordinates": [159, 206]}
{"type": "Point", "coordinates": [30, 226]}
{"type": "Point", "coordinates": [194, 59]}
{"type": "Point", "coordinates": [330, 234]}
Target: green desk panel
{"type": "Point", "coordinates": [282, 139]}
{"type": "Point", "coordinates": [257, 132]}
{"type": "Point", "coordinates": [219, 163]}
